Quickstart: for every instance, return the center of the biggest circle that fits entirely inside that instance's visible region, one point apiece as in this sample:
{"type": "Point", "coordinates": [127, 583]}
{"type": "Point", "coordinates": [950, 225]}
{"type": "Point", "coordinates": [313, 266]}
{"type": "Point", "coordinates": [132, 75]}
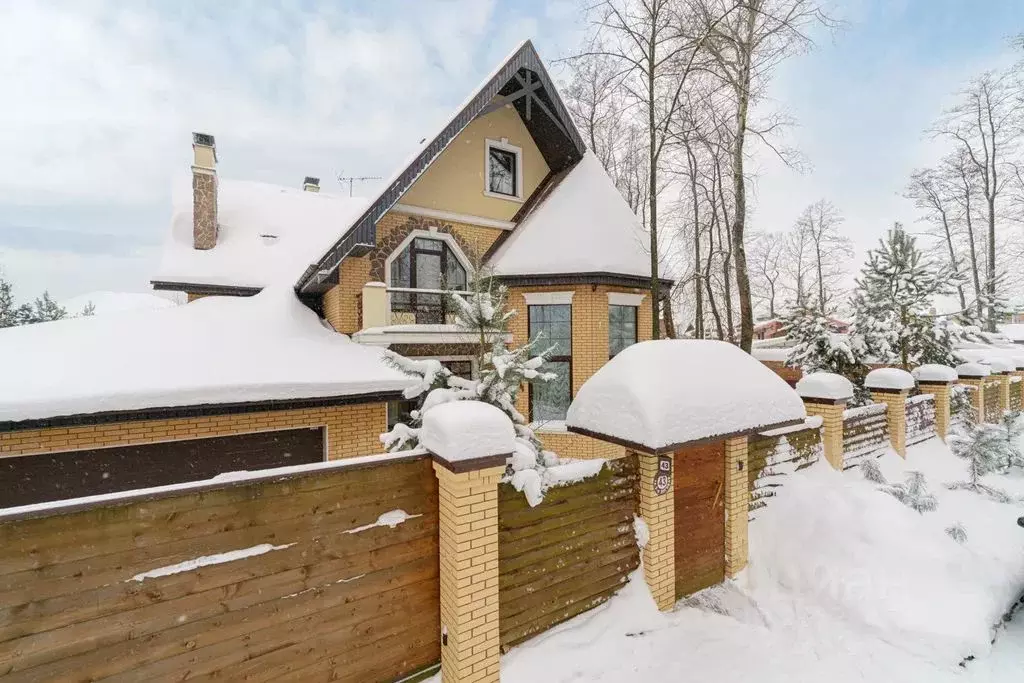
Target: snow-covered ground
{"type": "Point", "coordinates": [845, 583]}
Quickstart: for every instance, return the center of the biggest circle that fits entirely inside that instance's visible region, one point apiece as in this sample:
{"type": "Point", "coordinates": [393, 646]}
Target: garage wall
{"type": "Point", "coordinates": [352, 430]}
{"type": "Point", "coordinates": [286, 578]}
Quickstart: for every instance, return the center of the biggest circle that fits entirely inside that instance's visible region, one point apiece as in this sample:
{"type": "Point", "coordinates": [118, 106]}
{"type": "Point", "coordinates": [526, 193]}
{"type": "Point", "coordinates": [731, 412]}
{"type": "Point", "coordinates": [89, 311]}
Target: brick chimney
{"type": "Point", "coordinates": [204, 191]}
{"type": "Point", "coordinates": [311, 184]}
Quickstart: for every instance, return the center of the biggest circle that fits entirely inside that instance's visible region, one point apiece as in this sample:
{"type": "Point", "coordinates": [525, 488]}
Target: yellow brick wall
{"type": "Point", "coordinates": [343, 301]}
{"type": "Point", "coordinates": [737, 503]}
{"type": "Point", "coordinates": [589, 353]}
{"type": "Point", "coordinates": [468, 540]}
{"type": "Point", "coordinates": [351, 430]}
{"type": "Point", "coordinates": [896, 415]}
{"type": "Point", "coordinates": [832, 430]}
{"type": "Point", "coordinates": [659, 555]}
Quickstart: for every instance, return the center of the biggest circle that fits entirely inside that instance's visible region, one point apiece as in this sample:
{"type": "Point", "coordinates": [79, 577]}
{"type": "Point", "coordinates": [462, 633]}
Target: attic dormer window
{"type": "Point", "coordinates": [504, 170]}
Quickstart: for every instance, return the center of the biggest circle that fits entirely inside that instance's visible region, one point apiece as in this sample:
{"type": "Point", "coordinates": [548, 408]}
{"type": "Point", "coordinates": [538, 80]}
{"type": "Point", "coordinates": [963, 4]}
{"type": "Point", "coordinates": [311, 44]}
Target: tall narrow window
{"type": "Point", "coordinates": [503, 170]}
{"type": "Point", "coordinates": [419, 276]}
{"type": "Point", "coordinates": [621, 328]}
{"type": "Point", "coordinates": [552, 325]}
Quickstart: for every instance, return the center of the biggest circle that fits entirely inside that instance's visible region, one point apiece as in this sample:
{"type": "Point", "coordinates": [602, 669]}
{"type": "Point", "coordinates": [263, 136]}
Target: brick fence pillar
{"type": "Point", "coordinates": [974, 376]}
{"type": "Point", "coordinates": [831, 413]}
{"type": "Point", "coordinates": [1004, 391]}
{"type": "Point", "coordinates": [658, 511]}
{"type": "Point", "coordinates": [941, 392]}
{"type": "Point", "coordinates": [737, 505]}
{"type": "Point", "coordinates": [1018, 386]}
{"type": "Point", "coordinates": [469, 573]}
{"type": "Point", "coordinates": [891, 386]}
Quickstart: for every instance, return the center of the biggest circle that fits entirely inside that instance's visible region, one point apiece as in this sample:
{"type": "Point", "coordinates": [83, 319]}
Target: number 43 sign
{"type": "Point", "coordinates": [663, 479]}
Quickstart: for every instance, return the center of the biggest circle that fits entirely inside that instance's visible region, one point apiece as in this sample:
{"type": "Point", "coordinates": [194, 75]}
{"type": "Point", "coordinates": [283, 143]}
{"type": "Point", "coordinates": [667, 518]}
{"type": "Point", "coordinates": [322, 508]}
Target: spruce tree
{"type": "Point", "coordinates": [985, 448]}
{"type": "Point", "coordinates": [893, 322]}
{"type": "Point", "coordinates": [913, 493]}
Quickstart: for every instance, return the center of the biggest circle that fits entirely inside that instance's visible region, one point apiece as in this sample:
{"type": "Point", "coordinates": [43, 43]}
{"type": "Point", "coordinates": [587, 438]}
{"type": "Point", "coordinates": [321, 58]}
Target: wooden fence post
{"type": "Point", "coordinates": [891, 386]}
{"type": "Point", "coordinates": [973, 375]}
{"type": "Point", "coordinates": [825, 395]}
{"type": "Point", "coordinates": [936, 380]}
{"type": "Point", "coordinates": [657, 507]}
{"type": "Point", "coordinates": [468, 470]}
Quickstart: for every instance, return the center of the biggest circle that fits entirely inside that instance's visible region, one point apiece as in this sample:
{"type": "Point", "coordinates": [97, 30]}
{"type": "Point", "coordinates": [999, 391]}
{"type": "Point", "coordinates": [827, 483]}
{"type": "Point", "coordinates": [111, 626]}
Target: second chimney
{"type": "Point", "coordinates": [311, 184]}
{"type": "Point", "coordinates": [204, 191]}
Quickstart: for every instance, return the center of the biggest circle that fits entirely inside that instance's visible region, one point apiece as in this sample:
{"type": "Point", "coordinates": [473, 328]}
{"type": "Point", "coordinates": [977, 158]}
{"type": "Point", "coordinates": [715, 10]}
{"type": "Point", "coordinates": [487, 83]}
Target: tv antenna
{"type": "Point", "coordinates": [352, 180]}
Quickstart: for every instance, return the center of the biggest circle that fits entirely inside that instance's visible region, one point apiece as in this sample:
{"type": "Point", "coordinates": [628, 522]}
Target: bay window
{"type": "Point", "coordinates": [420, 274]}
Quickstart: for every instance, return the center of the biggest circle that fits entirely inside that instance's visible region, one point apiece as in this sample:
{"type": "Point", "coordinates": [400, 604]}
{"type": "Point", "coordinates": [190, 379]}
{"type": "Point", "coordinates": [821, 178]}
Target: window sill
{"type": "Point", "coordinates": [507, 197]}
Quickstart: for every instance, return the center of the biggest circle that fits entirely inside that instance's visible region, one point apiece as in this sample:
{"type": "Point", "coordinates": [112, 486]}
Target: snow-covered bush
{"type": "Point", "coordinates": [957, 533]}
{"type": "Point", "coordinates": [985, 448]}
{"type": "Point", "coordinates": [1012, 423]}
{"type": "Point", "coordinates": [871, 471]}
{"type": "Point", "coordinates": [913, 493]}
{"type": "Point", "coordinates": [961, 404]}
{"type": "Point", "coordinates": [817, 349]}
{"type": "Point", "coordinates": [502, 372]}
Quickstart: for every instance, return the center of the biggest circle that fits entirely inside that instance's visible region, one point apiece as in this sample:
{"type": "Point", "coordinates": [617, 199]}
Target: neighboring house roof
{"type": "Point", "coordinates": [582, 226]}
{"type": "Point", "coordinates": [107, 303]}
{"type": "Point", "coordinates": [543, 113]}
{"type": "Point", "coordinates": [219, 350]}
{"type": "Point", "coordinates": [267, 234]}
{"type": "Point", "coordinates": [1014, 331]}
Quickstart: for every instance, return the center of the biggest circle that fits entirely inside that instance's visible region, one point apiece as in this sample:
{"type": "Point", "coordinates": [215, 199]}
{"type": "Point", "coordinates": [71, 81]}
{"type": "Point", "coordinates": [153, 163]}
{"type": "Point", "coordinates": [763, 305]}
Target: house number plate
{"type": "Point", "coordinates": [663, 479]}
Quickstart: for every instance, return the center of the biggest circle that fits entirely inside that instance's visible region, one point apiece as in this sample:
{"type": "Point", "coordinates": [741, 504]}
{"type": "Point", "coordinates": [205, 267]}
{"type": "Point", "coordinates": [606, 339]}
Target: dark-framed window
{"type": "Point", "coordinates": [502, 171]}
{"type": "Point", "coordinates": [430, 264]}
{"type": "Point", "coordinates": [552, 325]}
{"type": "Point", "coordinates": [401, 411]}
{"type": "Point", "coordinates": [621, 328]}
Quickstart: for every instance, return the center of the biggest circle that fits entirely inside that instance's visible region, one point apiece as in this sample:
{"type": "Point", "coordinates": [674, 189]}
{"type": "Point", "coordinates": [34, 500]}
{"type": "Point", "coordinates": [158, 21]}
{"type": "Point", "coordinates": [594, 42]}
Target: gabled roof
{"type": "Point", "coordinates": [522, 81]}
{"type": "Point", "coordinates": [268, 234]}
{"type": "Point", "coordinates": [583, 226]}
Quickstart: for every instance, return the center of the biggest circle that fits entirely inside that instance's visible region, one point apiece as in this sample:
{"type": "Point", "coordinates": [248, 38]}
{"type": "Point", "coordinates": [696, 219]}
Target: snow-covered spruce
{"type": "Point", "coordinates": [503, 371]}
{"type": "Point", "coordinates": [872, 472]}
{"type": "Point", "coordinates": [985, 448]}
{"type": "Point", "coordinates": [957, 533]}
{"type": "Point", "coordinates": [913, 493]}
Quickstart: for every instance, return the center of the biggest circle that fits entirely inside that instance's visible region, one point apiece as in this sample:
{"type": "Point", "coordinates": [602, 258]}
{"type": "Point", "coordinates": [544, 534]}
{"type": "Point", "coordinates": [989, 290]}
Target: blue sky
{"type": "Point", "coordinates": [100, 98]}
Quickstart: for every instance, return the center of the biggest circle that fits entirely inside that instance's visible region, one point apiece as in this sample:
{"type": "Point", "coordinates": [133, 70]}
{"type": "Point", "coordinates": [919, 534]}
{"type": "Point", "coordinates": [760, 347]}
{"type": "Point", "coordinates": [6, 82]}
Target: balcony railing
{"type": "Point", "coordinates": [409, 306]}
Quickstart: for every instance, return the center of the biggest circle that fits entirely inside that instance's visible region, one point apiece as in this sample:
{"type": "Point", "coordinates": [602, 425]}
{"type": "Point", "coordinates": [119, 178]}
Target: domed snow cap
{"type": "Point", "coordinates": [825, 385]}
{"type": "Point", "coordinates": [933, 372]}
{"type": "Point", "coordinates": [973, 370]}
{"type": "Point", "coordinates": [467, 430]}
{"type": "Point", "coordinates": [658, 395]}
{"type": "Point", "coordinates": [892, 379]}
{"type": "Point", "coordinates": [1000, 364]}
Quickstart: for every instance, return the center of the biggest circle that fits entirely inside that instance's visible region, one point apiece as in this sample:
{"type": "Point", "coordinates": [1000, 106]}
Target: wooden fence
{"type": "Point", "coordinates": [865, 433]}
{"type": "Point", "coordinates": [920, 418]}
{"type": "Point", "coordinates": [993, 413]}
{"type": "Point", "coordinates": [567, 555]}
{"type": "Point", "coordinates": [288, 577]}
{"type": "Point", "coordinates": [773, 455]}
{"type": "Point", "coordinates": [1016, 386]}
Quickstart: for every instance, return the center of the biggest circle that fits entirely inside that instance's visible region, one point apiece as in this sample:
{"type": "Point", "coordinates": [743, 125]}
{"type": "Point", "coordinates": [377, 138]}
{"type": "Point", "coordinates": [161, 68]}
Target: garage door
{"type": "Point", "coordinates": [56, 476]}
{"type": "Point", "coordinates": [700, 517]}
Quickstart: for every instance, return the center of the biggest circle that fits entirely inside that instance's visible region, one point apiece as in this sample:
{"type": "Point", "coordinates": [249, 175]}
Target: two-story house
{"type": "Point", "coordinates": [253, 379]}
{"type": "Point", "coordinates": [506, 187]}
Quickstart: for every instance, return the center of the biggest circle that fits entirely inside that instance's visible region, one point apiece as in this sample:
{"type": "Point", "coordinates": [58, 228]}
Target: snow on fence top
{"type": "Point", "coordinates": [467, 430]}
{"type": "Point", "coordinates": [266, 233]}
{"type": "Point", "coordinates": [825, 385]}
{"type": "Point", "coordinates": [933, 372]}
{"type": "Point", "coordinates": [1000, 364]}
{"type": "Point", "coordinates": [657, 395]}
{"type": "Point", "coordinates": [214, 350]}
{"type": "Point", "coordinates": [973, 370]}
{"type": "Point", "coordinates": [889, 378]}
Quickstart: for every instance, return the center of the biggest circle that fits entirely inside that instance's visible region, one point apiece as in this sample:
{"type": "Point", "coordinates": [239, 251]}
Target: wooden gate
{"type": "Point", "coordinates": [700, 517]}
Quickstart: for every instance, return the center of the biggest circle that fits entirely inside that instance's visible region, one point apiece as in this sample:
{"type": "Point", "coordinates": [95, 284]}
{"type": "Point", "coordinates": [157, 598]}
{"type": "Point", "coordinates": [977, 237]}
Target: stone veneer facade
{"type": "Point", "coordinates": [352, 430]}
{"type": "Point", "coordinates": [204, 209]}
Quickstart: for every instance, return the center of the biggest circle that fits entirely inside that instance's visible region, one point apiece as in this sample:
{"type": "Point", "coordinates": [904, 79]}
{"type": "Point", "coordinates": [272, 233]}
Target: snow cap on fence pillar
{"type": "Point", "coordinates": [972, 371]}
{"type": "Point", "coordinates": [656, 396]}
{"type": "Point", "coordinates": [933, 373]}
{"type": "Point", "coordinates": [889, 379]}
{"type": "Point", "coordinates": [467, 435]}
{"type": "Point", "coordinates": [825, 386]}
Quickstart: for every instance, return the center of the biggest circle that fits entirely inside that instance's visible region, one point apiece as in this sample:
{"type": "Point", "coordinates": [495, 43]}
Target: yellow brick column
{"type": "Point", "coordinates": [1018, 386]}
{"type": "Point", "coordinates": [658, 511]}
{"type": "Point", "coordinates": [1004, 391]}
{"type": "Point", "coordinates": [470, 648]}
{"type": "Point", "coordinates": [941, 392]}
{"type": "Point", "coordinates": [737, 504]}
{"type": "Point", "coordinates": [891, 386]}
{"type": "Point", "coordinates": [973, 375]}
{"type": "Point", "coordinates": [825, 395]}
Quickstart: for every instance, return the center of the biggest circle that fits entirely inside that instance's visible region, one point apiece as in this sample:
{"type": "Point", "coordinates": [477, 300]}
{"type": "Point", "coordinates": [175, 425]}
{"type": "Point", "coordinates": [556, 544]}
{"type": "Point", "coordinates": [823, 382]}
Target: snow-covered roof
{"type": "Point", "coordinates": [973, 370]}
{"type": "Point", "coordinates": [771, 354]}
{"type": "Point", "coordinates": [107, 303]}
{"type": "Point", "coordinates": [889, 378]}
{"type": "Point", "coordinates": [825, 385]}
{"type": "Point", "coordinates": [268, 234]}
{"type": "Point", "coordinates": [933, 372]}
{"type": "Point", "coordinates": [467, 430]}
{"type": "Point", "coordinates": [1000, 364]}
{"type": "Point", "coordinates": [1014, 331]}
{"type": "Point", "coordinates": [660, 394]}
{"type": "Point", "coordinates": [215, 350]}
{"type": "Point", "coordinates": [583, 226]}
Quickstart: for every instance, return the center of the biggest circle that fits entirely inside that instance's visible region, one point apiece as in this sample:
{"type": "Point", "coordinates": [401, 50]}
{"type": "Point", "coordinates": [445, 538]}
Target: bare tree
{"type": "Point", "coordinates": [933, 192]}
{"type": "Point", "coordinates": [985, 125]}
{"type": "Point", "coordinates": [829, 248]}
{"type": "Point", "coordinates": [746, 46]}
{"type": "Point", "coordinates": [767, 251]}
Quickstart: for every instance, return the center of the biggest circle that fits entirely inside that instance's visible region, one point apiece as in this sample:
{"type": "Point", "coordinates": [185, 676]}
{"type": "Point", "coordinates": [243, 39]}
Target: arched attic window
{"type": "Point", "coordinates": [420, 272]}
